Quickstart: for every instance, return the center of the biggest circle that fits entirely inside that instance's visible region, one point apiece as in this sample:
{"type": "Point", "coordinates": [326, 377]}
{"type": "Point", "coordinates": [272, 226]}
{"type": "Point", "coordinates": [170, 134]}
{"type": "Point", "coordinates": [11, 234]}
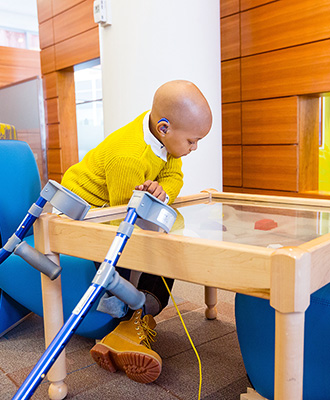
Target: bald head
{"type": "Point", "coordinates": [182, 103]}
{"type": "Point", "coordinates": [180, 117]}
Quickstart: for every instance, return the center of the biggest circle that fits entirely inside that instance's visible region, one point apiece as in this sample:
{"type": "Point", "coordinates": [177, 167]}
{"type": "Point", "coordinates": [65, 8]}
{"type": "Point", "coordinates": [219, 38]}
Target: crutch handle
{"type": "Point", "coordinates": [38, 260]}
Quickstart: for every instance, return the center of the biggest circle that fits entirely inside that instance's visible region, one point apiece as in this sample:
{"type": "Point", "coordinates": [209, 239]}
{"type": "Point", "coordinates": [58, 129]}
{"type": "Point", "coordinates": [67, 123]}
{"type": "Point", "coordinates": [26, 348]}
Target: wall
{"type": "Point", "coordinates": [68, 36]}
{"type": "Point", "coordinates": [18, 64]}
{"type": "Point", "coordinates": [275, 63]}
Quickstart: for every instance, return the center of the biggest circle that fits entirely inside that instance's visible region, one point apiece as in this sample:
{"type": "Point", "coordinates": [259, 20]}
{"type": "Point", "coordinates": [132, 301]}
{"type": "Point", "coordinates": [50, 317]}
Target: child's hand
{"type": "Point", "coordinates": [154, 188]}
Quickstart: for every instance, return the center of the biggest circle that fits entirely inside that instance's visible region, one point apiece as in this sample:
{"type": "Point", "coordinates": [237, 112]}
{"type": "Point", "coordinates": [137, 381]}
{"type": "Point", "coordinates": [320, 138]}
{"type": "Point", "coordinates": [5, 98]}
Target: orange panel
{"type": "Point", "coordinates": [284, 24]}
{"type": "Point", "coordinates": [230, 37]}
{"type": "Point", "coordinates": [228, 7]}
{"type": "Point", "coordinates": [62, 5]}
{"type": "Point", "coordinates": [294, 71]}
{"type": "Point", "coordinates": [50, 85]}
{"type": "Point", "coordinates": [54, 161]}
{"type": "Point", "coordinates": [78, 49]}
{"type": "Point", "coordinates": [47, 57]}
{"type": "Point", "coordinates": [270, 167]}
{"type": "Point", "coordinates": [232, 165]}
{"type": "Point", "coordinates": [81, 20]}
{"type": "Point", "coordinates": [46, 34]}
{"type": "Point", "coordinates": [246, 4]}
{"type": "Point", "coordinates": [53, 136]}
{"type": "Point", "coordinates": [52, 111]}
{"type": "Point", "coordinates": [231, 81]}
{"type": "Point", "coordinates": [44, 10]}
{"type": "Point", "coordinates": [231, 123]}
{"type": "Point", "coordinates": [270, 121]}
{"type": "Point", "coordinates": [14, 57]}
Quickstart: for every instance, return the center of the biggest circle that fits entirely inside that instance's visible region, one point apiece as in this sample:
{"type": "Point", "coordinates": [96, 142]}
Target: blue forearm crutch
{"type": "Point", "coordinates": [142, 205]}
{"type": "Point", "coordinates": [62, 199]}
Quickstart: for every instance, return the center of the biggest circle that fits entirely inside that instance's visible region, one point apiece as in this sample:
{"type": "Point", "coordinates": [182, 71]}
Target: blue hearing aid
{"type": "Point", "coordinates": [163, 128]}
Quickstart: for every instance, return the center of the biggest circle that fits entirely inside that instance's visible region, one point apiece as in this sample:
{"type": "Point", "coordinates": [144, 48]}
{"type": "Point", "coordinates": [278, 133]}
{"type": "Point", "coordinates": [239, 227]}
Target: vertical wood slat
{"type": "Point", "coordinates": [50, 85]}
{"type": "Point", "coordinates": [308, 143]}
{"type": "Point", "coordinates": [46, 34]}
{"type": "Point", "coordinates": [232, 165]}
{"type": "Point", "coordinates": [231, 81]}
{"type": "Point", "coordinates": [231, 123]}
{"type": "Point", "coordinates": [283, 24]}
{"type": "Point", "coordinates": [45, 10]}
{"type": "Point", "coordinates": [228, 7]}
{"type": "Point", "coordinates": [272, 121]}
{"type": "Point", "coordinates": [47, 57]}
{"type": "Point", "coordinates": [230, 37]}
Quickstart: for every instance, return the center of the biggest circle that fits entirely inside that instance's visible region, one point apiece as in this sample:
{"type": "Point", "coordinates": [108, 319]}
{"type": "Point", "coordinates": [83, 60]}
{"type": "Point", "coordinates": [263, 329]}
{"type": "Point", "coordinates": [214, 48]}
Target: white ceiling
{"type": "Point", "coordinates": [19, 14]}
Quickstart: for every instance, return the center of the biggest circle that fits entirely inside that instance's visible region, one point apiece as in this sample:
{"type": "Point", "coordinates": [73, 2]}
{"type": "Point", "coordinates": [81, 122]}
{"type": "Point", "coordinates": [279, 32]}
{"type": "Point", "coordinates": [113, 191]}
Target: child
{"type": "Point", "coordinates": [143, 155]}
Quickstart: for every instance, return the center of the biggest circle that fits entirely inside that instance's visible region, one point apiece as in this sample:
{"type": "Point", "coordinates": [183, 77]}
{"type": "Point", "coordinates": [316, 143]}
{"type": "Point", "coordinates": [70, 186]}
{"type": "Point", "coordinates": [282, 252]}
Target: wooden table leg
{"type": "Point", "coordinates": [289, 355]}
{"type": "Point", "coordinates": [290, 296]}
{"type": "Point", "coordinates": [211, 299]}
{"type": "Point", "coordinates": [53, 321]}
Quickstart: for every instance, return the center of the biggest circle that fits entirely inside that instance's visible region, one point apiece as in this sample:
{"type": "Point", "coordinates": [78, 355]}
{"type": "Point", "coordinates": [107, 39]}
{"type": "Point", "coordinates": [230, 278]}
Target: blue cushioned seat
{"type": "Point", "coordinates": [255, 321]}
{"type": "Point", "coordinates": [20, 188]}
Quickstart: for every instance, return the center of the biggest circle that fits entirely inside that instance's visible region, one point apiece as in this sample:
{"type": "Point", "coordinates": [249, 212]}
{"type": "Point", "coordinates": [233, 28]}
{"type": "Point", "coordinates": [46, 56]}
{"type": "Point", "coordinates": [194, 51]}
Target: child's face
{"type": "Point", "coordinates": [180, 143]}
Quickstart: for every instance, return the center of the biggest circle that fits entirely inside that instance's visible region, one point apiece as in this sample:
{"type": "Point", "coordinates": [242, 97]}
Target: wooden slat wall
{"type": "Point", "coordinates": [275, 64]}
{"type": "Point", "coordinates": [68, 36]}
{"type": "Point", "coordinates": [18, 65]}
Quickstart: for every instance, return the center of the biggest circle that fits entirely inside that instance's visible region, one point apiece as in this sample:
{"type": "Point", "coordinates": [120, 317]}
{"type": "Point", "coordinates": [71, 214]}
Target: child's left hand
{"type": "Point", "coordinates": [154, 188]}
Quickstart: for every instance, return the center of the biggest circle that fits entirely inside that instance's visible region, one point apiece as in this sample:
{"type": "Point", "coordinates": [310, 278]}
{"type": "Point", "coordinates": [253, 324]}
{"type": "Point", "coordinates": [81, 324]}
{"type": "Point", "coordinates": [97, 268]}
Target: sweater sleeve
{"type": "Point", "coordinates": [171, 178]}
{"type": "Point", "coordinates": [122, 175]}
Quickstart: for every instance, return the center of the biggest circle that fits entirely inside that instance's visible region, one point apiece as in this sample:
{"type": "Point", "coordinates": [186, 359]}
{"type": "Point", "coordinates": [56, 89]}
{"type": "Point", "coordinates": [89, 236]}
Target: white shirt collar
{"type": "Point", "coordinates": [150, 139]}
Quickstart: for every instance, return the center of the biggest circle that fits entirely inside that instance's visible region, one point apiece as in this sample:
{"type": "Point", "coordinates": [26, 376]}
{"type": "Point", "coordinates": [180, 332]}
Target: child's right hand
{"type": "Point", "coordinates": [154, 188]}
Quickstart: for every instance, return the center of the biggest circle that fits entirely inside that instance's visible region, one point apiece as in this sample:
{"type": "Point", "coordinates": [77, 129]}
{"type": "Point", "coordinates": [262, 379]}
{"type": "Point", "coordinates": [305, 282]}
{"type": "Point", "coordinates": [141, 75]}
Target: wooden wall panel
{"type": "Point", "coordinates": [279, 25]}
{"type": "Point", "coordinates": [54, 161]}
{"type": "Point", "coordinates": [232, 165]}
{"type": "Point", "coordinates": [18, 65]}
{"type": "Point", "coordinates": [80, 17]}
{"type": "Point", "coordinates": [228, 7]}
{"type": "Point", "coordinates": [308, 143]}
{"type": "Point", "coordinates": [52, 111]}
{"type": "Point", "coordinates": [271, 167]}
{"type": "Point", "coordinates": [246, 4]}
{"type": "Point", "coordinates": [47, 57]}
{"type": "Point", "coordinates": [231, 123]}
{"type": "Point", "coordinates": [62, 5]}
{"type": "Point", "coordinates": [272, 121]}
{"type": "Point", "coordinates": [78, 49]}
{"type": "Point", "coordinates": [231, 81]}
{"type": "Point", "coordinates": [230, 37]}
{"type": "Point", "coordinates": [50, 85]}
{"type": "Point", "coordinates": [53, 139]}
{"type": "Point", "coordinates": [44, 10]}
{"type": "Point", "coordinates": [298, 70]}
{"type": "Point", "coordinates": [46, 33]}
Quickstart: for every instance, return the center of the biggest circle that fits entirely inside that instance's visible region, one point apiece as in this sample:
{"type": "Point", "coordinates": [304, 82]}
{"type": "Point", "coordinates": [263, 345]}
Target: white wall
{"type": "Point", "coordinates": [151, 42]}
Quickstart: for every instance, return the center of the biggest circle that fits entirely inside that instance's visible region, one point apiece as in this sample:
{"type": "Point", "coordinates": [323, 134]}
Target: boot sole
{"type": "Point", "coordinates": [139, 367]}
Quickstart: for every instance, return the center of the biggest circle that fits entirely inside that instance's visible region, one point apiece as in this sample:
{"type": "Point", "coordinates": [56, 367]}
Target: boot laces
{"type": "Point", "coordinates": [149, 333]}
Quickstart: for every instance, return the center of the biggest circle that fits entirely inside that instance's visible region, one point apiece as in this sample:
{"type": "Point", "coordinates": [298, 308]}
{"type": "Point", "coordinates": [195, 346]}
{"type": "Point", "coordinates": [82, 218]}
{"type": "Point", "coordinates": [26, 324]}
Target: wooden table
{"type": "Point", "coordinates": [213, 243]}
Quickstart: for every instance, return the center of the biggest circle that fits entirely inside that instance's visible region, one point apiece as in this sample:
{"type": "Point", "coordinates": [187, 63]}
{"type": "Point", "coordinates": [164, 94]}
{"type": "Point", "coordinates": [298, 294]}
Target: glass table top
{"type": "Point", "coordinates": [246, 223]}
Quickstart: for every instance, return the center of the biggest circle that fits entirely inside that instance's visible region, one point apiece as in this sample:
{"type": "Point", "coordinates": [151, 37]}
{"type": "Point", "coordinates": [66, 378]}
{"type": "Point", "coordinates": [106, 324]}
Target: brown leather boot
{"type": "Point", "coordinates": [128, 348]}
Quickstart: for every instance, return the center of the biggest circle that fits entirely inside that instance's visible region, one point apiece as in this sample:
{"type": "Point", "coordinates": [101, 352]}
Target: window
{"type": "Point", "coordinates": [89, 106]}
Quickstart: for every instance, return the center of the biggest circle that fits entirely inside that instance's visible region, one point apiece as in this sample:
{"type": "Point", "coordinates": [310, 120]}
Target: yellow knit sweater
{"type": "Point", "coordinates": [109, 173]}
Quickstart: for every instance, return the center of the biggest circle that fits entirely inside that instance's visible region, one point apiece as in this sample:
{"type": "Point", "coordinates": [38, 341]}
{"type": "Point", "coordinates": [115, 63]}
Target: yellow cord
{"type": "Point", "coordinates": [191, 342]}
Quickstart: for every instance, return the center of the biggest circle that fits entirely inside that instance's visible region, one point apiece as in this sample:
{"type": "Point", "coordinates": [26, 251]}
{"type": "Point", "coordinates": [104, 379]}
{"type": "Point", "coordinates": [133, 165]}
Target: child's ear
{"type": "Point", "coordinates": [162, 125]}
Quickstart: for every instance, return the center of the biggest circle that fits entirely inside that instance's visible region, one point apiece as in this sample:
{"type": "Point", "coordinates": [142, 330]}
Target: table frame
{"type": "Point", "coordinates": [286, 276]}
